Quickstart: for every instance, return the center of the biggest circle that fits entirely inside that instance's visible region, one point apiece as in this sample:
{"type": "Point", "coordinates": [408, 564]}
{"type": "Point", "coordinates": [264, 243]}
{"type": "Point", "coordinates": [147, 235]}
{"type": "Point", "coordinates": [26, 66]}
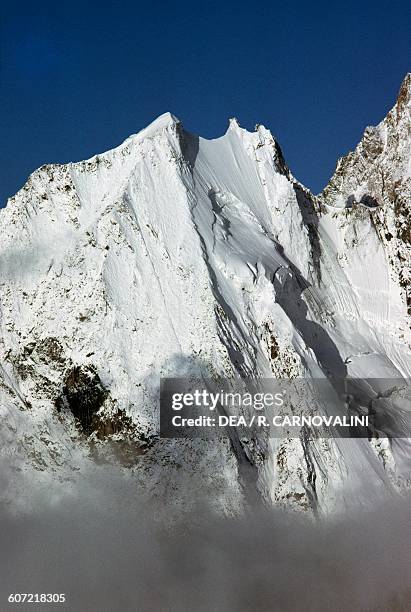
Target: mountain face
{"type": "Point", "coordinates": [173, 255]}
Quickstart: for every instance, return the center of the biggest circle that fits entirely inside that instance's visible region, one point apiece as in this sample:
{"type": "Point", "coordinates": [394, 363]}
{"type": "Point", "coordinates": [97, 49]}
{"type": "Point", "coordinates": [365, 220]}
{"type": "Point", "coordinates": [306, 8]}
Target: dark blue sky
{"type": "Point", "coordinates": [78, 77]}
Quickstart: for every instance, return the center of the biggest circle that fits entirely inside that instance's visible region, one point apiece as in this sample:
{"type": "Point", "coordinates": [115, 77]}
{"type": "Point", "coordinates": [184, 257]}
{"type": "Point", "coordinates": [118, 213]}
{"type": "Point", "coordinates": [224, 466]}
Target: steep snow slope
{"type": "Point", "coordinates": [175, 255]}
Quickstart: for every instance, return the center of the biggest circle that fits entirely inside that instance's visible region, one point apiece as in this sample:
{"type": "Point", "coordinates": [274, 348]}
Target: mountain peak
{"type": "Point", "coordinates": [159, 124]}
{"type": "Point", "coordinates": [404, 95]}
{"type": "Point", "coordinates": [164, 120]}
{"type": "Point", "coordinates": [233, 124]}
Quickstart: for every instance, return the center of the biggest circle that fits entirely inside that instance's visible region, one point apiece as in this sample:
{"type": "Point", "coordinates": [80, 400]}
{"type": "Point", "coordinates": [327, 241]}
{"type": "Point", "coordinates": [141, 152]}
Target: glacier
{"type": "Point", "coordinates": [174, 255]}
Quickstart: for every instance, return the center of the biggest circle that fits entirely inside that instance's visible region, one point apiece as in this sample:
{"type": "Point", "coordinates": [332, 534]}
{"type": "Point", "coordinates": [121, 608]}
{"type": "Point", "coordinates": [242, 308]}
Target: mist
{"type": "Point", "coordinates": [106, 552]}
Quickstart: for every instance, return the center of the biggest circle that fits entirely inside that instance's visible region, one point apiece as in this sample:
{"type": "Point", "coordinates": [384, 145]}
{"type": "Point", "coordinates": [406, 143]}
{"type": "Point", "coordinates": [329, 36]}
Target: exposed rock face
{"type": "Point", "coordinates": [174, 255]}
{"type": "Point", "coordinates": [82, 394]}
{"type": "Point", "coordinates": [378, 175]}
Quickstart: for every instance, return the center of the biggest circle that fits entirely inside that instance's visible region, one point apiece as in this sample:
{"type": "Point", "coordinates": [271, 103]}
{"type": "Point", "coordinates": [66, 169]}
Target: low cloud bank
{"type": "Point", "coordinates": [107, 553]}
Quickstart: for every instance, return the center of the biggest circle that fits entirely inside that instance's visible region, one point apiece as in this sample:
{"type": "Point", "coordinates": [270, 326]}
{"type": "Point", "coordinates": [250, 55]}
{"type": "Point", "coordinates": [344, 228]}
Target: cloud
{"type": "Point", "coordinates": [108, 552]}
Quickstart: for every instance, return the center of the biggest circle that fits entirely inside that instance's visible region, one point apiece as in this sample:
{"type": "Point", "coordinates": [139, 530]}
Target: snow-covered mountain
{"type": "Point", "coordinates": [174, 255]}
